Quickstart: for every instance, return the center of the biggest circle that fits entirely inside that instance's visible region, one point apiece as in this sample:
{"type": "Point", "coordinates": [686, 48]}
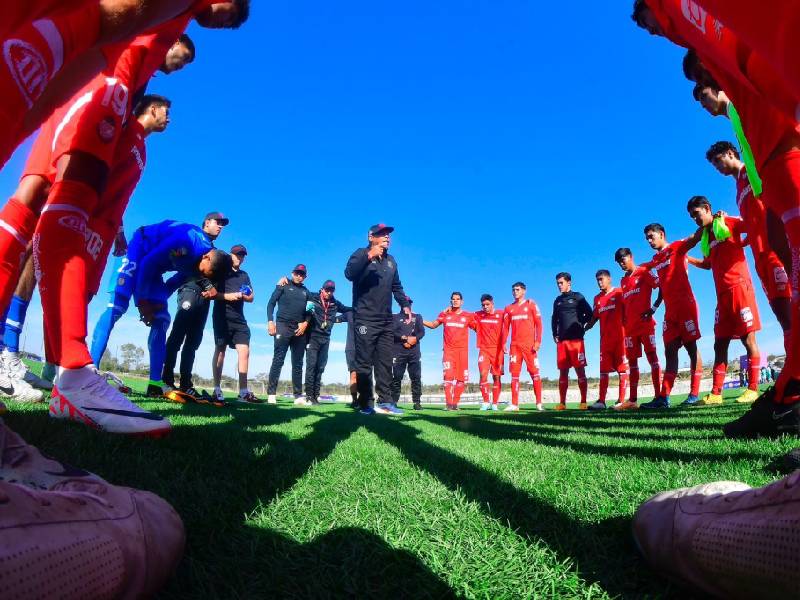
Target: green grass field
{"type": "Point", "coordinates": [294, 502]}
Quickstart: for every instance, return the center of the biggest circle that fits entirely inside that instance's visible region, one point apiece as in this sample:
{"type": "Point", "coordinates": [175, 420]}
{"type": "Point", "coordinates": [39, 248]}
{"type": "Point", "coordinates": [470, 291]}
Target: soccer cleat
{"type": "Point", "coordinates": [658, 402]}
{"type": "Point", "coordinates": [725, 538]}
{"type": "Point", "coordinates": [157, 389]}
{"type": "Point", "coordinates": [766, 418]}
{"type": "Point", "coordinates": [560, 406]}
{"type": "Point", "coordinates": [495, 407]}
{"type": "Point", "coordinates": [18, 390]}
{"type": "Point", "coordinates": [382, 409]}
{"type": "Point", "coordinates": [583, 406]}
{"type": "Point", "coordinates": [115, 381]}
{"type": "Point", "coordinates": [177, 396]}
{"type": "Point", "coordinates": [598, 406]}
{"type": "Point", "coordinates": [691, 400]}
{"type": "Point", "coordinates": [367, 411]}
{"type": "Point", "coordinates": [393, 410]}
{"type": "Point", "coordinates": [484, 406]}
{"type": "Point", "coordinates": [417, 406]}
{"type": "Point", "coordinates": [748, 397]}
{"type": "Point", "coordinates": [249, 398]}
{"type": "Point", "coordinates": [301, 401]}
{"type": "Point", "coordinates": [86, 539]}
{"type": "Point", "coordinates": [539, 406]}
{"type": "Point", "coordinates": [709, 400]}
{"type": "Point", "coordinates": [272, 399]}
{"type": "Point", "coordinates": [511, 408]}
{"type": "Point", "coordinates": [84, 395]}
{"type": "Point", "coordinates": [16, 369]}
{"type": "Point", "coordinates": [629, 405]}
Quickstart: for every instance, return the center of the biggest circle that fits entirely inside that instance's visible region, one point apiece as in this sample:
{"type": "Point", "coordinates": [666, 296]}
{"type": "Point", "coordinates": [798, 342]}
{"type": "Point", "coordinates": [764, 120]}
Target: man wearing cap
{"type": "Point", "coordinates": [230, 326]}
{"type": "Point", "coordinates": [407, 355]}
{"type": "Point", "coordinates": [153, 251]}
{"type": "Point", "coordinates": [289, 330]}
{"type": "Point", "coordinates": [373, 272]}
{"type": "Point", "coordinates": [325, 310]}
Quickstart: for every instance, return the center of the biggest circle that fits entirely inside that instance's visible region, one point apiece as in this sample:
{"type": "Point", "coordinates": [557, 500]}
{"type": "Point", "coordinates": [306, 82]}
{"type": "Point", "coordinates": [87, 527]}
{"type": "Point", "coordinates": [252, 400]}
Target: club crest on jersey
{"type": "Point", "coordinates": [28, 67]}
{"type": "Point", "coordinates": [106, 130]}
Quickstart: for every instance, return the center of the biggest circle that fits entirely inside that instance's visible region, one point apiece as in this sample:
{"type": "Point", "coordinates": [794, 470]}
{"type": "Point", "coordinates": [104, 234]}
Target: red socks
{"type": "Point", "coordinates": [635, 382]}
{"type": "Point", "coordinates": [667, 384]}
{"type": "Point", "coordinates": [563, 384]}
{"type": "Point", "coordinates": [537, 387]}
{"type": "Point", "coordinates": [485, 391]}
{"type": "Point", "coordinates": [623, 384]}
{"type": "Point", "coordinates": [718, 377]}
{"type": "Point", "coordinates": [17, 223]}
{"type": "Point", "coordinates": [655, 370]}
{"type": "Point", "coordinates": [515, 391]}
{"type": "Point", "coordinates": [583, 386]}
{"type": "Point", "coordinates": [63, 261]}
{"type": "Point", "coordinates": [697, 376]}
{"type": "Point", "coordinates": [755, 371]}
{"type": "Point", "coordinates": [457, 391]}
{"type": "Point", "coordinates": [448, 393]}
{"type": "Point", "coordinates": [496, 389]}
{"type": "Point", "coordinates": [603, 386]}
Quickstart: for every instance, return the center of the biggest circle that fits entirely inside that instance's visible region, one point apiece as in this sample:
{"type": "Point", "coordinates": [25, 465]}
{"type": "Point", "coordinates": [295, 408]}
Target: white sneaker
{"type": "Point", "coordinates": [19, 390]}
{"type": "Point", "coordinates": [218, 395]}
{"type": "Point", "coordinates": [301, 401]}
{"type": "Point", "coordinates": [484, 406]}
{"type": "Point", "coordinates": [539, 406]}
{"type": "Point", "coordinates": [84, 395]}
{"type": "Point", "coordinates": [495, 407]}
{"type": "Point", "coordinates": [18, 370]}
{"type": "Point", "coordinates": [272, 399]}
{"type": "Point", "coordinates": [598, 406]}
{"type": "Point", "coordinates": [511, 408]}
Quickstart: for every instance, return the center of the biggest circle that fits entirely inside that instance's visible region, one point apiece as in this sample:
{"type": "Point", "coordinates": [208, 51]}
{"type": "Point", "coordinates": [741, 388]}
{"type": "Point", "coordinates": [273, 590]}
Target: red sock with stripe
{"type": "Point", "coordinates": [537, 387]}
{"type": "Point", "coordinates": [634, 382]}
{"type": "Point", "coordinates": [667, 384]}
{"type": "Point", "coordinates": [755, 371]}
{"type": "Point", "coordinates": [515, 391]}
{"type": "Point", "coordinates": [17, 223]}
{"type": "Point", "coordinates": [603, 386]}
{"type": "Point", "coordinates": [563, 384]}
{"type": "Point", "coordinates": [485, 391]}
{"type": "Point", "coordinates": [718, 377]}
{"type": "Point", "coordinates": [697, 377]}
{"type": "Point", "coordinates": [497, 387]}
{"type": "Point", "coordinates": [448, 393]}
{"type": "Point", "coordinates": [458, 389]}
{"type": "Point", "coordinates": [655, 371]}
{"type": "Point", "coordinates": [583, 386]}
{"type": "Point", "coordinates": [623, 384]}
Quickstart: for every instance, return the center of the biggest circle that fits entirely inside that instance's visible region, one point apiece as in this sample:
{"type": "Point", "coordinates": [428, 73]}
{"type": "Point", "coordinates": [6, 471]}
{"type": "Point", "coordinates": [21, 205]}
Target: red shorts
{"type": "Point", "coordinates": [32, 55]}
{"type": "Point", "coordinates": [613, 357]}
{"type": "Point", "coordinates": [520, 354]}
{"type": "Point", "coordinates": [781, 195]}
{"type": "Point", "coordinates": [92, 121]}
{"type": "Point", "coordinates": [635, 343]}
{"type": "Point", "coordinates": [682, 322]}
{"type": "Point", "coordinates": [773, 276]}
{"type": "Point", "coordinates": [455, 364]}
{"type": "Point", "coordinates": [737, 313]}
{"type": "Point", "coordinates": [490, 362]}
{"type": "Point", "coordinates": [571, 353]}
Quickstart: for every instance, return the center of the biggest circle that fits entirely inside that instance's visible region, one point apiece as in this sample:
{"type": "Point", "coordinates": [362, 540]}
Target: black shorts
{"type": "Point", "coordinates": [231, 334]}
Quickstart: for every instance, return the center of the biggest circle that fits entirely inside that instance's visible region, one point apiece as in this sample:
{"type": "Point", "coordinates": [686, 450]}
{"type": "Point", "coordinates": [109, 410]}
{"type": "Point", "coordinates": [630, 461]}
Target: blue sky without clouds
{"type": "Point", "coordinates": [505, 140]}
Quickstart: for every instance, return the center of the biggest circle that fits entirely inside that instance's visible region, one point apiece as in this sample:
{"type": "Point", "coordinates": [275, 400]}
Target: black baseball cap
{"type": "Point", "coordinates": [218, 216]}
{"type": "Point", "coordinates": [329, 285]}
{"type": "Point", "coordinates": [379, 228]}
{"type": "Point", "coordinates": [301, 268]}
{"type": "Point", "coordinates": [239, 249]}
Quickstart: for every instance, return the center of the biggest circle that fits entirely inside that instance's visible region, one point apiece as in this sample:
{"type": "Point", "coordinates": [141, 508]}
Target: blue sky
{"type": "Point", "coordinates": [505, 141]}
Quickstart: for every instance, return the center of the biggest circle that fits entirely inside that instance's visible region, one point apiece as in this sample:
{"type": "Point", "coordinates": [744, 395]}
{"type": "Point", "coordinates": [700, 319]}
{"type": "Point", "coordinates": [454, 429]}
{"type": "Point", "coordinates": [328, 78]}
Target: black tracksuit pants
{"type": "Point", "coordinates": [187, 330]}
{"type": "Point", "coordinates": [316, 359]}
{"type": "Point", "coordinates": [374, 341]}
{"type": "Point", "coordinates": [286, 340]}
{"type": "Point", "coordinates": [412, 362]}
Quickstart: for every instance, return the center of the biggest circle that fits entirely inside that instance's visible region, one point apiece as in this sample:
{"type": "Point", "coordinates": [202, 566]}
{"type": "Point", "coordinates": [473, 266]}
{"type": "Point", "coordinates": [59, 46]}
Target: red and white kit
{"type": "Point", "coordinates": [488, 328]}
{"type": "Point", "coordinates": [523, 321]}
{"type": "Point", "coordinates": [455, 360]}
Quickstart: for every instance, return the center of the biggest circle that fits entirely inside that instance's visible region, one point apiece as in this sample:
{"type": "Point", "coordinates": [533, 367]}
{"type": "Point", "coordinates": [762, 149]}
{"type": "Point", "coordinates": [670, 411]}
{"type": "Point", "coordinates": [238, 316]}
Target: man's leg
{"type": "Point", "coordinates": [483, 373]}
{"type": "Point", "coordinates": [515, 369]}
{"type": "Point", "coordinates": [399, 362]}
{"type": "Point", "coordinates": [696, 364]}
{"type": "Point", "coordinates": [754, 355]}
{"type": "Point", "coordinates": [415, 374]}
{"type": "Point", "coordinates": [297, 346]}
{"type": "Point", "coordinates": [383, 363]}
{"type": "Point", "coordinates": [194, 337]}
{"type": "Point", "coordinates": [312, 354]}
{"type": "Point", "coordinates": [782, 309]}
{"type": "Point", "coordinates": [283, 338]}
{"type": "Point", "coordinates": [583, 385]}
{"type": "Point", "coordinates": [366, 339]}
{"type": "Point", "coordinates": [157, 346]}
{"type": "Point", "coordinates": [532, 364]}
{"type": "Point", "coordinates": [176, 337]}
{"type": "Point", "coordinates": [243, 354]}
{"type": "Point", "coordinates": [633, 364]}
{"type": "Point", "coordinates": [563, 385]}
{"type": "Point", "coordinates": [322, 361]}
{"type": "Point", "coordinates": [217, 363]}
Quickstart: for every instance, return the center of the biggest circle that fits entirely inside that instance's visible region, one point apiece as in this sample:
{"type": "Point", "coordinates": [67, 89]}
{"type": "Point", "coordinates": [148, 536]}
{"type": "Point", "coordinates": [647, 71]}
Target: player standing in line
{"type": "Point", "coordinates": [523, 320]}
{"type": "Point", "coordinates": [571, 313]}
{"type": "Point", "coordinates": [637, 286]}
{"type": "Point", "coordinates": [681, 321]}
{"type": "Point", "coordinates": [488, 326]}
{"type": "Point", "coordinates": [608, 309]}
{"type": "Point", "coordinates": [769, 267]}
{"type": "Point", "coordinates": [455, 358]}
{"type": "Point", "coordinates": [737, 312]}
{"type": "Point", "coordinates": [406, 355]}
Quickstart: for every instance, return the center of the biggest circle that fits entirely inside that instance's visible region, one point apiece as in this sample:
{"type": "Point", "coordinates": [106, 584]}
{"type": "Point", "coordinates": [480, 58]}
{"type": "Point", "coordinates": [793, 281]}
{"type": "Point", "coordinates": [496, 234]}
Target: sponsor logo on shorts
{"type": "Point", "coordinates": [581, 357]}
{"type": "Point", "coordinates": [445, 364]}
{"type": "Point", "coordinates": [536, 362]}
{"type": "Point", "coordinates": [28, 68]}
{"type": "Point", "coordinates": [106, 130]}
{"type": "Point", "coordinates": [512, 358]}
{"type": "Point", "coordinates": [652, 340]}
{"type": "Point", "coordinates": [780, 275]}
{"type": "Point", "coordinates": [746, 314]}
{"type": "Point", "coordinates": [690, 326]}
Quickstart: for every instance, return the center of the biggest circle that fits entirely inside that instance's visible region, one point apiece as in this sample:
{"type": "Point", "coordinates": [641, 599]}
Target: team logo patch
{"type": "Point", "coordinates": [690, 326]}
{"type": "Point", "coordinates": [780, 275]}
{"type": "Point", "coordinates": [106, 130]}
{"type": "Point", "coordinates": [746, 314]}
{"type": "Point", "coordinates": [362, 329]}
{"type": "Point", "coordinates": [581, 357]}
{"type": "Point", "coordinates": [121, 281]}
{"type": "Point", "coordinates": [28, 68]}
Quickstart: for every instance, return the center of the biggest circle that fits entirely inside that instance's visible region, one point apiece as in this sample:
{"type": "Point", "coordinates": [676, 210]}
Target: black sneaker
{"type": "Point", "coordinates": [156, 391]}
{"type": "Point", "coordinates": [766, 418]}
{"type": "Point", "coordinates": [417, 406]}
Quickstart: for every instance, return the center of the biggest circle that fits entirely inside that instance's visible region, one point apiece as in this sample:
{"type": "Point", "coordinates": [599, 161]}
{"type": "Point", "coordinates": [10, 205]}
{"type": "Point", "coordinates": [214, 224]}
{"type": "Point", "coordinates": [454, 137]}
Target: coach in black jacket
{"type": "Point", "coordinates": [407, 355]}
{"type": "Point", "coordinates": [325, 311]}
{"type": "Point", "coordinates": [373, 272]}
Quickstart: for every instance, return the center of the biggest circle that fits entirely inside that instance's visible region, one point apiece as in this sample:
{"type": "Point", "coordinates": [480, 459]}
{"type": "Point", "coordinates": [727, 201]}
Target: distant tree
{"type": "Point", "coordinates": [109, 362]}
{"type": "Point", "coordinates": [131, 356]}
{"type": "Point", "coordinates": [262, 378]}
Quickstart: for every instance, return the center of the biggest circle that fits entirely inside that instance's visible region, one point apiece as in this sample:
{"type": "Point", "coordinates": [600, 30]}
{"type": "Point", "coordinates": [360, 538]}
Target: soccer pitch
{"type": "Point", "coordinates": [323, 502]}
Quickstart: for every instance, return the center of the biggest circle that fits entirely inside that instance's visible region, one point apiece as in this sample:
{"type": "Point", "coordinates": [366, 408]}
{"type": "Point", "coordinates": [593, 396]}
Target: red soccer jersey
{"type": "Point", "coordinates": [608, 310]}
{"type": "Point", "coordinates": [456, 329]}
{"type": "Point", "coordinates": [524, 321]}
{"type": "Point", "coordinates": [753, 213]}
{"type": "Point", "coordinates": [129, 162]}
{"type": "Point", "coordinates": [489, 329]}
{"type": "Point", "coordinates": [637, 297]}
{"type": "Point", "coordinates": [672, 270]}
{"type": "Point", "coordinates": [728, 263]}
